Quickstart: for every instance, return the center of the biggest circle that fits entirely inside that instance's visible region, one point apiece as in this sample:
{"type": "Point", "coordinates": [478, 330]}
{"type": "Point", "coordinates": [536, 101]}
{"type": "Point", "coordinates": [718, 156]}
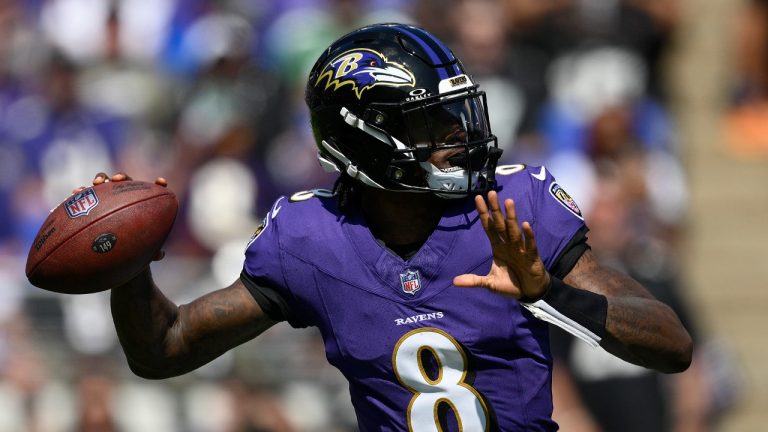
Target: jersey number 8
{"type": "Point", "coordinates": [448, 387]}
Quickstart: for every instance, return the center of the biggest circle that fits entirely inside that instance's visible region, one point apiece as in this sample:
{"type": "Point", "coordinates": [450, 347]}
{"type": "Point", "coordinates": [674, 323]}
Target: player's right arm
{"type": "Point", "coordinates": [162, 340]}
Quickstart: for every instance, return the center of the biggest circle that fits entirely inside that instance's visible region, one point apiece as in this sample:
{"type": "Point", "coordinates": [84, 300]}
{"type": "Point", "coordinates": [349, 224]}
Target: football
{"type": "Point", "coordinates": [101, 237]}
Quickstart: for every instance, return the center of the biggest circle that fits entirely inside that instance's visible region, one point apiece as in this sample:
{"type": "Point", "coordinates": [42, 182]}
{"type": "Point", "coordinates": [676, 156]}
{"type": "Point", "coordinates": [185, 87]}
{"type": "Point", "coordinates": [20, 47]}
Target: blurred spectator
{"type": "Point", "coordinates": [232, 106]}
{"type": "Point", "coordinates": [645, 28]}
{"type": "Point", "coordinates": [76, 27]}
{"type": "Point", "coordinates": [63, 139]}
{"type": "Point", "coordinates": [480, 40]}
{"type": "Point", "coordinates": [540, 32]}
{"type": "Point", "coordinates": [430, 14]}
{"type": "Point", "coordinates": [256, 408]}
{"type": "Point", "coordinates": [22, 375]}
{"type": "Point", "coordinates": [232, 99]}
{"type": "Point", "coordinates": [95, 389]}
{"type": "Point", "coordinates": [298, 29]}
{"type": "Point", "coordinates": [119, 84]}
{"type": "Point", "coordinates": [122, 83]}
{"type": "Point", "coordinates": [597, 392]}
{"type": "Point", "coordinates": [600, 118]}
{"type": "Point", "coordinates": [12, 158]}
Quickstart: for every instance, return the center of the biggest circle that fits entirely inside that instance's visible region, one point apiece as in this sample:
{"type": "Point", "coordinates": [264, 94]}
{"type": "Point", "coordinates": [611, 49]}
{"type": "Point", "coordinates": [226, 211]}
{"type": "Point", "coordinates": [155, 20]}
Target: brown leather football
{"type": "Point", "coordinates": [101, 237]}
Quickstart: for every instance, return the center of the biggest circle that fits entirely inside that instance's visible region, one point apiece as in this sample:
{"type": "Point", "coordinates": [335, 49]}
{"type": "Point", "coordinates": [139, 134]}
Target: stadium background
{"type": "Point", "coordinates": [209, 94]}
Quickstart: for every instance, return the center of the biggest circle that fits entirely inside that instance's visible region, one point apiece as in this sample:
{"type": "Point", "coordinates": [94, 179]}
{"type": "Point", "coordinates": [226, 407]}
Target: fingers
{"type": "Point", "coordinates": [485, 218]}
{"type": "Point", "coordinates": [530, 242]}
{"type": "Point", "coordinates": [100, 178]}
{"type": "Point", "coordinates": [121, 176]}
{"type": "Point", "coordinates": [505, 229]}
{"type": "Point", "coordinates": [470, 281]}
{"type": "Point", "coordinates": [512, 228]}
{"type": "Point", "coordinates": [499, 228]}
{"type": "Point", "coordinates": [497, 217]}
{"type": "Point", "coordinates": [491, 217]}
{"type": "Point", "coordinates": [97, 180]}
{"type": "Point", "coordinates": [103, 178]}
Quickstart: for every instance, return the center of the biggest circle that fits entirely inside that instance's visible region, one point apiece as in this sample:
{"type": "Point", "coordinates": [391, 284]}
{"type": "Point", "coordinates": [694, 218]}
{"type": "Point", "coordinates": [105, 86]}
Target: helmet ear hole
{"type": "Point", "coordinates": [375, 117]}
{"type": "Point", "coordinates": [395, 173]}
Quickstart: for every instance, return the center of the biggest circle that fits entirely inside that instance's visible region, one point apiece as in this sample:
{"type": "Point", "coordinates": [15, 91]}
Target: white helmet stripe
{"type": "Point", "coordinates": [356, 122]}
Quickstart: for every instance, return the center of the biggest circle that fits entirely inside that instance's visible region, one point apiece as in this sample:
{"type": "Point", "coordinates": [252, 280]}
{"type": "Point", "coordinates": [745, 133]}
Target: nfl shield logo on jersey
{"type": "Point", "coordinates": [81, 203]}
{"type": "Point", "coordinates": [410, 281]}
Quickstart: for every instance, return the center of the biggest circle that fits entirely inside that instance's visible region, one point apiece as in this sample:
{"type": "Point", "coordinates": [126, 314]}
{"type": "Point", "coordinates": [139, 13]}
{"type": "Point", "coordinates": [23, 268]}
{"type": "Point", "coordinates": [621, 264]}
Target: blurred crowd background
{"type": "Point", "coordinates": [209, 94]}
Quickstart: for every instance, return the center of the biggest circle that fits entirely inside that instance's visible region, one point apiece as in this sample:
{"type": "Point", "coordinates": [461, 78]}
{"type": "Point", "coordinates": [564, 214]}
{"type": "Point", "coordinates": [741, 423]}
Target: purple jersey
{"type": "Point", "coordinates": [420, 354]}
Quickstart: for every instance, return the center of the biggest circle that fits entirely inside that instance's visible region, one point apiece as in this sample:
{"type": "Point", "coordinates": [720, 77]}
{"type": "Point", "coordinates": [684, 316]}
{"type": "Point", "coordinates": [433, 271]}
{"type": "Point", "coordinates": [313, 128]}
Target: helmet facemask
{"type": "Point", "coordinates": [454, 127]}
{"type": "Point", "coordinates": [440, 144]}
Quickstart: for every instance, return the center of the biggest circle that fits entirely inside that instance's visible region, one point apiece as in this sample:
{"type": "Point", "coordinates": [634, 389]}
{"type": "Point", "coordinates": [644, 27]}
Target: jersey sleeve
{"type": "Point", "coordinates": [557, 223]}
{"type": "Point", "coordinates": [262, 272]}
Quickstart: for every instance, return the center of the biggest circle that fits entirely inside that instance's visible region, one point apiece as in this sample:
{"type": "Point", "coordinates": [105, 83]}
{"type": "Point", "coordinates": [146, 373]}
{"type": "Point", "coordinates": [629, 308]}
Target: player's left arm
{"type": "Point", "coordinates": [608, 305]}
{"type": "Point", "coordinates": [638, 328]}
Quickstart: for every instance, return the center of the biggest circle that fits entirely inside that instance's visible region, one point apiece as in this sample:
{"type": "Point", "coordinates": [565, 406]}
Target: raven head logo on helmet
{"type": "Point", "coordinates": [392, 107]}
{"type": "Point", "coordinates": [363, 69]}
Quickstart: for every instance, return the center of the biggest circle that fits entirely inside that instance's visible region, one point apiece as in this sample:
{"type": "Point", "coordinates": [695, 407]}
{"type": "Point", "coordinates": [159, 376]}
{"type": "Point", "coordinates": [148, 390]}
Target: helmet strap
{"type": "Point", "coordinates": [494, 153]}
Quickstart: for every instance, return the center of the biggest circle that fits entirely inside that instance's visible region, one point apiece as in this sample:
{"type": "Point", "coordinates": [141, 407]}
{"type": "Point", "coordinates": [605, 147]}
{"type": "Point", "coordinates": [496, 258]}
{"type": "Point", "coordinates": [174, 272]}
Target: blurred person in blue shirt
{"type": "Point", "coordinates": [61, 139]}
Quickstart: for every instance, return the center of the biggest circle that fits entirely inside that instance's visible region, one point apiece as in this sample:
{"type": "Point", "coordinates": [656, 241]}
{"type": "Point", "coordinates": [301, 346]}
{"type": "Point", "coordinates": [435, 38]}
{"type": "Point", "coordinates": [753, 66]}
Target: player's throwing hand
{"type": "Point", "coordinates": [517, 269]}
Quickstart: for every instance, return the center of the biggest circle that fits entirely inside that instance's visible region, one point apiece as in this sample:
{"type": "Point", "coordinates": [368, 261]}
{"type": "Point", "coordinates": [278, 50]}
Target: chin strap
{"type": "Point", "coordinates": [494, 153]}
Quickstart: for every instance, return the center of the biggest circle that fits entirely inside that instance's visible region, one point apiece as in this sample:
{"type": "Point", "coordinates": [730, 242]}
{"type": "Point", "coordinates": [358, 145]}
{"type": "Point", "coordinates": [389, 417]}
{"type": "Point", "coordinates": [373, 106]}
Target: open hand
{"type": "Point", "coordinates": [517, 269]}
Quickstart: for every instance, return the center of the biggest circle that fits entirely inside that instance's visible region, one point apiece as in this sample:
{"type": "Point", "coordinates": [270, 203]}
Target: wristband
{"type": "Point", "coordinates": [579, 312]}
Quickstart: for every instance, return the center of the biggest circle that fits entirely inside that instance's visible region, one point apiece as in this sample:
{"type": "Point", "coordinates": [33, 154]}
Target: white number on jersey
{"type": "Point", "coordinates": [509, 169]}
{"type": "Point", "coordinates": [448, 387]}
{"type": "Point", "coordinates": [305, 195]}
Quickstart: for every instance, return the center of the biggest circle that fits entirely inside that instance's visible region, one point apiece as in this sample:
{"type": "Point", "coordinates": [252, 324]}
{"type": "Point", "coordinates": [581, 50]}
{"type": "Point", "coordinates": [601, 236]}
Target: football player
{"type": "Point", "coordinates": [431, 272]}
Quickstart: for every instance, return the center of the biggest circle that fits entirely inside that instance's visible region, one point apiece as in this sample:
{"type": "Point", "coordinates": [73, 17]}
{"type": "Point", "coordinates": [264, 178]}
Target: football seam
{"type": "Point", "coordinates": [32, 271]}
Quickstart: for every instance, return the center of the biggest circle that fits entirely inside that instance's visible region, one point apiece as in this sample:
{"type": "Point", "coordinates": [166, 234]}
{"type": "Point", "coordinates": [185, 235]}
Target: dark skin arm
{"type": "Point", "coordinates": [162, 340]}
{"type": "Point", "coordinates": [639, 328]}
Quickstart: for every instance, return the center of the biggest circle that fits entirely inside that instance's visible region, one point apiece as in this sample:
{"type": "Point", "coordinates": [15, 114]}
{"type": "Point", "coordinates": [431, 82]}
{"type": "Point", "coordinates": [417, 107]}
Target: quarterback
{"type": "Point", "coordinates": [431, 272]}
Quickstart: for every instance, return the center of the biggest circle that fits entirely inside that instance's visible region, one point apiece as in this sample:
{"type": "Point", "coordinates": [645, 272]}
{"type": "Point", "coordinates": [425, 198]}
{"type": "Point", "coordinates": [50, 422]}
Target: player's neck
{"type": "Point", "coordinates": [399, 218]}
